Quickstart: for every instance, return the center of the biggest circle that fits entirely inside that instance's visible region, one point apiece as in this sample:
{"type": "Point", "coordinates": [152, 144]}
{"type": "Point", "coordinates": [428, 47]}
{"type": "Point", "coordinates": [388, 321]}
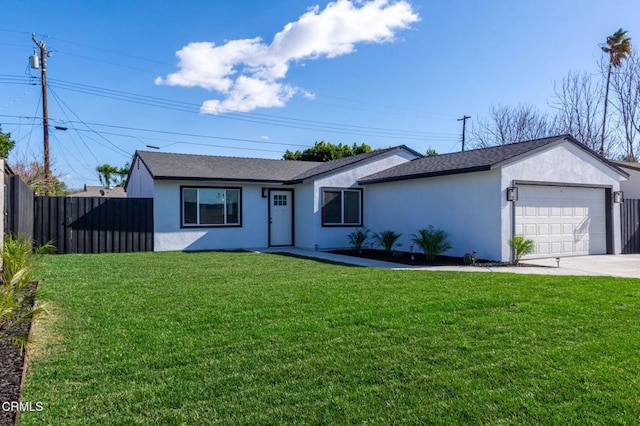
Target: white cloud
{"type": "Point", "coordinates": [248, 72]}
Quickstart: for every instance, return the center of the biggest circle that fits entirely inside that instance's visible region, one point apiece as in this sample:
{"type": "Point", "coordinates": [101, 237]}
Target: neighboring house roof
{"type": "Point", "coordinates": [212, 167]}
{"type": "Point", "coordinates": [474, 160]}
{"type": "Point", "coordinates": [100, 191]}
{"type": "Point", "coordinates": [628, 165]}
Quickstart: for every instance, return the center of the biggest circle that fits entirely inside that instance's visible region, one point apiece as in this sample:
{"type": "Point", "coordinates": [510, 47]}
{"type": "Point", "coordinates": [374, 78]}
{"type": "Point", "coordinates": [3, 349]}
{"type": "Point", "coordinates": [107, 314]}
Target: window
{"type": "Point", "coordinates": [342, 207]}
{"type": "Point", "coordinates": [279, 200]}
{"type": "Point", "coordinates": [210, 206]}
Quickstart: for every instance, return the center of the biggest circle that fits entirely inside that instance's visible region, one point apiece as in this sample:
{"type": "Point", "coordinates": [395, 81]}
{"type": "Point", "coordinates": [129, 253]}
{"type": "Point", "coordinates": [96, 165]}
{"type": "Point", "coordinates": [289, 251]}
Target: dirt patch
{"type": "Point", "coordinates": [11, 364]}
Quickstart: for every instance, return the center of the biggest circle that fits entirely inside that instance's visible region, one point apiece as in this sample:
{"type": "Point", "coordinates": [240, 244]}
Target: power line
{"type": "Point", "coordinates": [59, 102]}
{"type": "Point", "coordinates": [97, 133]}
{"type": "Point", "coordinates": [165, 132]}
{"type": "Point", "coordinates": [250, 117]}
{"type": "Point", "coordinates": [266, 119]}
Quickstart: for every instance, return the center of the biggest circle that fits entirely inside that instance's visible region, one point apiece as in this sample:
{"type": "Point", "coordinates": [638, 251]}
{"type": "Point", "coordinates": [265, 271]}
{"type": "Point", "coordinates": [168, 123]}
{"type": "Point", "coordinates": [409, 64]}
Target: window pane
{"type": "Point", "coordinates": [332, 207]}
{"type": "Point", "coordinates": [352, 207]}
{"type": "Point", "coordinates": [233, 206]}
{"type": "Point", "coordinates": [190, 203]}
{"type": "Point", "coordinates": [212, 206]}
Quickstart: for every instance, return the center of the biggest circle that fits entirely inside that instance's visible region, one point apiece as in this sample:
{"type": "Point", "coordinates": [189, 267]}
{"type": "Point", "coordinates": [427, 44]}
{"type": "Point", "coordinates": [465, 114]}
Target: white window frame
{"type": "Point", "coordinates": [342, 192]}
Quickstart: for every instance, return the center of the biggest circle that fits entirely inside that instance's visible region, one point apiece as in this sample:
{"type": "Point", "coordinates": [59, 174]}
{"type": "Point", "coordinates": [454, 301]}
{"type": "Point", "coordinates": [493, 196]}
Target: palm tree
{"type": "Point", "coordinates": [618, 47]}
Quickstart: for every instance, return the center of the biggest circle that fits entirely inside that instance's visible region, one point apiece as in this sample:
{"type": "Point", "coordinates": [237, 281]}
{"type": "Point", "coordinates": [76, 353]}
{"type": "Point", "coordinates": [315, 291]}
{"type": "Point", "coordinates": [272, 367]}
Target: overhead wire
{"type": "Point", "coordinates": [259, 118]}
{"type": "Point", "coordinates": [117, 150]}
{"type": "Point", "coordinates": [63, 151]}
{"type": "Point", "coordinates": [281, 121]}
{"type": "Point", "coordinates": [165, 132]}
{"type": "Point", "coordinates": [266, 119]}
{"type": "Point", "coordinates": [250, 117]}
{"type": "Point", "coordinates": [78, 150]}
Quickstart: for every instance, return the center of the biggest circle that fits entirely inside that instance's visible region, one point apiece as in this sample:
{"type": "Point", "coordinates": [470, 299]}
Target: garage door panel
{"type": "Point", "coordinates": [543, 248]}
{"type": "Point", "coordinates": [562, 220]}
{"type": "Point", "coordinates": [543, 229]}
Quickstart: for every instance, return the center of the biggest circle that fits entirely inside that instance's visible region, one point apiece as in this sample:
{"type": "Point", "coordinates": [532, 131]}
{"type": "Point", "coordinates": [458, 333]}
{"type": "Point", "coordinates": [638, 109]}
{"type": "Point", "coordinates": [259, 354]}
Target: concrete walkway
{"type": "Point", "coordinates": [626, 266]}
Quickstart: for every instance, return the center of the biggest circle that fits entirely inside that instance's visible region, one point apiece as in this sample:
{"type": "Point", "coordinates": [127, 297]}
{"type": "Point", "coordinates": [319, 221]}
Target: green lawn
{"type": "Point", "coordinates": [177, 338]}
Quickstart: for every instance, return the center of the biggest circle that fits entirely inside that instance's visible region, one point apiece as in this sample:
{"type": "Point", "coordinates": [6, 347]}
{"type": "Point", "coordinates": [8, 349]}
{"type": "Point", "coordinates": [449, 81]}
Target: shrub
{"type": "Point", "coordinates": [358, 237]}
{"type": "Point", "coordinates": [521, 247]}
{"type": "Point", "coordinates": [470, 258]}
{"type": "Point", "coordinates": [387, 239]}
{"type": "Point", "coordinates": [432, 242]}
{"type": "Point", "coordinates": [17, 289]}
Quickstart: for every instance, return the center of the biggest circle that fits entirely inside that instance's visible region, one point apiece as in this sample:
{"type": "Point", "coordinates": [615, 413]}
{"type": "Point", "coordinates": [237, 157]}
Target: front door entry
{"type": "Point", "coordinates": [280, 217]}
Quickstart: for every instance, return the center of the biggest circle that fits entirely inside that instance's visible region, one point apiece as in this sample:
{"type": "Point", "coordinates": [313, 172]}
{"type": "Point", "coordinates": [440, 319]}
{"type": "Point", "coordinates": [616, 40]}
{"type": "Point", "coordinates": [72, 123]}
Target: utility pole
{"type": "Point", "coordinates": [464, 125]}
{"type": "Point", "coordinates": [45, 110]}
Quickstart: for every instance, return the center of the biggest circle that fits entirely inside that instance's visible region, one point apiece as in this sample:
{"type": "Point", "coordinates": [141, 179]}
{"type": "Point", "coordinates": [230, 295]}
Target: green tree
{"type": "Point", "coordinates": [431, 153]}
{"type": "Point", "coordinates": [32, 172]}
{"type": "Point", "coordinates": [326, 151]}
{"type": "Point", "coordinates": [111, 175]}
{"type": "Point", "coordinates": [618, 47]}
{"type": "Point", "coordinates": [6, 144]}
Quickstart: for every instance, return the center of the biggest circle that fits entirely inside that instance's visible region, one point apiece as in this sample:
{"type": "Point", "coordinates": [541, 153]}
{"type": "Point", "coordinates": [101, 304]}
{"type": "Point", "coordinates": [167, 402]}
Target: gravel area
{"type": "Point", "coordinates": [11, 362]}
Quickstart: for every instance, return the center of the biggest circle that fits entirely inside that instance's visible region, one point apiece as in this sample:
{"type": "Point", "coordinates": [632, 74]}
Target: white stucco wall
{"type": "Point", "coordinates": [332, 237]}
{"type": "Point", "coordinates": [564, 163]}
{"type": "Point", "coordinates": [254, 233]}
{"type": "Point", "coordinates": [170, 236]}
{"type": "Point", "coordinates": [631, 187]}
{"type": "Point", "coordinates": [140, 184]}
{"type": "Point", "coordinates": [304, 234]}
{"type": "Point", "coordinates": [466, 206]}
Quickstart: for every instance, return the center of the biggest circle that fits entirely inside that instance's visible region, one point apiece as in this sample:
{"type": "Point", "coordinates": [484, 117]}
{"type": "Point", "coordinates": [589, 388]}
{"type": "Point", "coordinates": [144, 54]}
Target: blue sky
{"type": "Point", "coordinates": [255, 78]}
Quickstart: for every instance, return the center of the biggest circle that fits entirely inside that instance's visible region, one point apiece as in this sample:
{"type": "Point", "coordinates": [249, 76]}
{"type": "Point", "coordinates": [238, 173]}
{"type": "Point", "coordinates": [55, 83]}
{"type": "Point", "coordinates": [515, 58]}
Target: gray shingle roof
{"type": "Point", "coordinates": [188, 166]}
{"type": "Point", "coordinates": [211, 167]}
{"type": "Point", "coordinates": [628, 165]}
{"type": "Point", "coordinates": [469, 161]}
{"type": "Point", "coordinates": [330, 166]}
{"type": "Point", "coordinates": [100, 191]}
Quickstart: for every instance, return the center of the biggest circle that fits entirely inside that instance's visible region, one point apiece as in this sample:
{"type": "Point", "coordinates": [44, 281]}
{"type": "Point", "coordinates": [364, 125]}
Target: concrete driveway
{"type": "Point", "coordinates": [623, 265]}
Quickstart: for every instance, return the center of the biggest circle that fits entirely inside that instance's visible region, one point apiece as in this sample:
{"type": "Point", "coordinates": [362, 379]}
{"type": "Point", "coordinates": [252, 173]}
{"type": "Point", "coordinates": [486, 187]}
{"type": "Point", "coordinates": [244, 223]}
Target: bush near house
{"type": "Point", "coordinates": [521, 247]}
{"type": "Point", "coordinates": [18, 287]}
{"type": "Point", "coordinates": [387, 239]}
{"type": "Point", "coordinates": [358, 238]}
{"type": "Point", "coordinates": [432, 242]}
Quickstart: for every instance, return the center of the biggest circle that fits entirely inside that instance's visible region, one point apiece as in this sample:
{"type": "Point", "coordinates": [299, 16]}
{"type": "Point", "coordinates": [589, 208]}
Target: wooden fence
{"type": "Point", "coordinates": [94, 224]}
{"type": "Point", "coordinates": [630, 224]}
{"type": "Point", "coordinates": [18, 204]}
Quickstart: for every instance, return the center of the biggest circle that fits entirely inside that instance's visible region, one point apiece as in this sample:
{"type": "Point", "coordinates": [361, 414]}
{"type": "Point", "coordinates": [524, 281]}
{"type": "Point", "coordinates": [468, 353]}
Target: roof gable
{"type": "Point", "coordinates": [210, 167]}
{"type": "Point", "coordinates": [474, 160]}
{"type": "Point", "coordinates": [334, 165]}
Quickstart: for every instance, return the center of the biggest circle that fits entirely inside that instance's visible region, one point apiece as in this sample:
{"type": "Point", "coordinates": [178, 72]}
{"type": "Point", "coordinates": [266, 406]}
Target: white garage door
{"type": "Point", "coordinates": [562, 221]}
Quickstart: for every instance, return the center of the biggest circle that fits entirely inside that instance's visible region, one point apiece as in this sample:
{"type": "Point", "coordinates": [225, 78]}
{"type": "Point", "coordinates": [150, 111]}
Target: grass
{"type": "Point", "coordinates": [177, 338]}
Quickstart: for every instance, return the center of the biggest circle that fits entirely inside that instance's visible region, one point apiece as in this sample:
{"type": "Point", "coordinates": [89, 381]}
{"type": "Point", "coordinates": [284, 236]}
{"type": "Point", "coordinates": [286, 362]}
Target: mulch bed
{"type": "Point", "coordinates": [11, 363]}
{"type": "Point", "coordinates": [418, 259]}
